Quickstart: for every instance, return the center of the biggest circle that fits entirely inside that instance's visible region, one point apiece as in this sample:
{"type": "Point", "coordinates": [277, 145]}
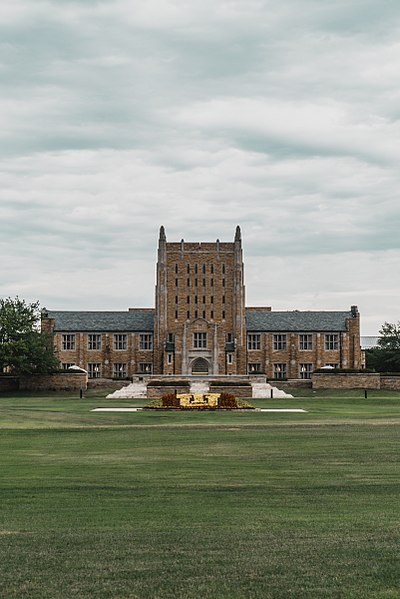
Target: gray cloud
{"type": "Point", "coordinates": [282, 117]}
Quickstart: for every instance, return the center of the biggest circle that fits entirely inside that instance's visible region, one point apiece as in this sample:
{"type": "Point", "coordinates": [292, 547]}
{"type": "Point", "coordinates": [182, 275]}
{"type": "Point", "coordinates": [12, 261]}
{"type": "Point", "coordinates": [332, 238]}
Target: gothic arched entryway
{"type": "Point", "coordinates": [200, 366]}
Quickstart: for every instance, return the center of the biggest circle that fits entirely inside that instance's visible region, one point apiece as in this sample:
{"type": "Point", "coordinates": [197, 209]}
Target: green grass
{"type": "Point", "coordinates": [192, 505]}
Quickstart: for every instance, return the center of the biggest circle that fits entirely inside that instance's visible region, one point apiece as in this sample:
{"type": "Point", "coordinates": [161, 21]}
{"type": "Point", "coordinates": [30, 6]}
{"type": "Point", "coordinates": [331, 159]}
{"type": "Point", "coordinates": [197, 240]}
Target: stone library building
{"type": "Point", "coordinates": [200, 325]}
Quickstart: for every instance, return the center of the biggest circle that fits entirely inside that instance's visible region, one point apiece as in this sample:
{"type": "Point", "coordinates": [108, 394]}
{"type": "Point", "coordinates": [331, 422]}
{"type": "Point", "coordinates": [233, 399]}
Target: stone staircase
{"type": "Point", "coordinates": [137, 389]}
{"type": "Point", "coordinates": [263, 390]}
{"type": "Point", "coordinates": [198, 386]}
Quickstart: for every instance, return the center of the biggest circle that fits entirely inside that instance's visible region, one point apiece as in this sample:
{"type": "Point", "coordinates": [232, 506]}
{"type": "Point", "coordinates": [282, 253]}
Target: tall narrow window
{"type": "Point", "coordinates": [212, 269]}
{"type": "Point", "coordinates": [204, 269]}
{"type": "Point", "coordinates": [223, 269]}
{"type": "Point", "coordinates": [223, 314]}
{"type": "Point", "coordinates": [176, 269]}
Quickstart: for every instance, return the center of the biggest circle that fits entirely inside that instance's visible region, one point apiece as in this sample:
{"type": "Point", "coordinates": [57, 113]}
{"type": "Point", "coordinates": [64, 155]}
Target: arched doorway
{"type": "Point", "coordinates": [200, 366]}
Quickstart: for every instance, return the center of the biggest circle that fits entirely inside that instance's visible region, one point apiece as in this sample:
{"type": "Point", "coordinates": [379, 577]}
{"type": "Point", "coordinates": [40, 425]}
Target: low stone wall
{"type": "Point", "coordinates": [346, 380]}
{"type": "Point", "coordinates": [390, 382]}
{"type": "Point", "coordinates": [107, 383]}
{"type": "Point", "coordinates": [8, 383]}
{"type": "Point", "coordinates": [154, 391]}
{"type": "Point", "coordinates": [68, 381]}
{"type": "Point", "coordinates": [236, 390]}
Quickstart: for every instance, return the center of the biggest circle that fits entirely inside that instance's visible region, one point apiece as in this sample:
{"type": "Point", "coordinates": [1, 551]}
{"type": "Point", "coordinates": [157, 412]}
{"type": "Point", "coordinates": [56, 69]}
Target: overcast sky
{"type": "Point", "coordinates": [281, 116]}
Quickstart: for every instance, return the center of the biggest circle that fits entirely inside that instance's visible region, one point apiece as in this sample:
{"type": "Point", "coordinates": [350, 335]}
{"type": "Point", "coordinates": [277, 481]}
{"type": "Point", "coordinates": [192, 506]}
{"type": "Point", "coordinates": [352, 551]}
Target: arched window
{"type": "Point", "coordinates": [200, 366]}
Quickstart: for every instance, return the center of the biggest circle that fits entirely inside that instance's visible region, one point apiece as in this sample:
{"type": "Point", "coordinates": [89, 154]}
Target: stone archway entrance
{"type": "Point", "coordinates": [200, 366]}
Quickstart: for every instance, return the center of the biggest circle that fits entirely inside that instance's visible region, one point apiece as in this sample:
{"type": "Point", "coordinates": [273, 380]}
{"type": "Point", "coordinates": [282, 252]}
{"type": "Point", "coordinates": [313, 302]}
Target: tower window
{"type": "Point", "coordinates": [204, 282]}
{"type": "Point", "coordinates": [188, 269]}
{"type": "Point", "coordinates": [223, 314]}
{"type": "Point", "coordinates": [196, 269]}
{"type": "Point", "coordinates": [204, 269]}
{"type": "Point", "coordinates": [188, 299]}
{"type": "Point", "coordinates": [223, 269]}
{"type": "Point", "coordinates": [176, 269]}
{"type": "Point", "coordinates": [212, 269]}
{"type": "Point", "coordinates": [199, 340]}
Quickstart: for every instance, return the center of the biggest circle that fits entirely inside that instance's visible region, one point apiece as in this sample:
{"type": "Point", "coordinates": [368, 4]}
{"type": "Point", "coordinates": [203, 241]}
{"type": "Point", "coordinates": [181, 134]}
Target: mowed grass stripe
{"type": "Point", "coordinates": [235, 508]}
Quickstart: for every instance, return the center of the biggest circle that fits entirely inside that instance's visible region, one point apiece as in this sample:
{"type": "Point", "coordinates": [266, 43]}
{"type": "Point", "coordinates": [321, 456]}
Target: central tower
{"type": "Point", "coordinates": [200, 323]}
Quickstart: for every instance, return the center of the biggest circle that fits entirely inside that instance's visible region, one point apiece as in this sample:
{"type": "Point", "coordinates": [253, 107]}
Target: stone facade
{"type": "Point", "coordinates": [200, 326]}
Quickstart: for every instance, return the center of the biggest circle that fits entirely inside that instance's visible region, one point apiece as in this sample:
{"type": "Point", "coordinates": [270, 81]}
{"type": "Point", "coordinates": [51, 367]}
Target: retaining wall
{"type": "Point", "coordinates": [346, 380]}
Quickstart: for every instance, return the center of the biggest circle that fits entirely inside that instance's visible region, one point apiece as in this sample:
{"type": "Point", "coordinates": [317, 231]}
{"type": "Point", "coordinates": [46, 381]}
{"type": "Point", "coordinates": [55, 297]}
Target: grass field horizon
{"type": "Point", "coordinates": [205, 504]}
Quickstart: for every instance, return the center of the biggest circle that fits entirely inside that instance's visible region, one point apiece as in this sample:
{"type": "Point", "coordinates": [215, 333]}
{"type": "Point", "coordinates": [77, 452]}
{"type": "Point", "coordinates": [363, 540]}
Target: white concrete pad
{"type": "Point", "coordinates": [280, 410]}
{"type": "Point", "coordinates": [116, 410]}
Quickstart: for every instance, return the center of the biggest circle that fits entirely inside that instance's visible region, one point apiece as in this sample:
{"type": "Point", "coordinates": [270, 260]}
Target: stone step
{"type": "Point", "coordinates": [131, 391]}
{"type": "Point", "coordinates": [263, 390]}
{"type": "Point", "coordinates": [198, 387]}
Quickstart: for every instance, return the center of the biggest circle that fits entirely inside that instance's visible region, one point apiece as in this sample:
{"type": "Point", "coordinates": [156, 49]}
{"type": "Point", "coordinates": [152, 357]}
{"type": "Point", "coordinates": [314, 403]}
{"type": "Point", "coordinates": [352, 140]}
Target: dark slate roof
{"type": "Point", "coordinates": [137, 320]}
{"type": "Point", "coordinates": [265, 320]}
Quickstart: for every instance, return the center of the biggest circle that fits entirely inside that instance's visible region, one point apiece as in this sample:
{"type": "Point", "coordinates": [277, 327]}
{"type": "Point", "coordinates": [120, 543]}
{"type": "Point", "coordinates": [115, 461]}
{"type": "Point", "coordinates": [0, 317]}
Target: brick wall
{"type": "Point", "coordinates": [8, 383]}
{"type": "Point", "coordinates": [54, 382]}
{"type": "Point", "coordinates": [236, 390]}
{"type": "Point", "coordinates": [390, 382]}
{"type": "Point", "coordinates": [367, 380]}
{"type": "Point", "coordinates": [154, 391]}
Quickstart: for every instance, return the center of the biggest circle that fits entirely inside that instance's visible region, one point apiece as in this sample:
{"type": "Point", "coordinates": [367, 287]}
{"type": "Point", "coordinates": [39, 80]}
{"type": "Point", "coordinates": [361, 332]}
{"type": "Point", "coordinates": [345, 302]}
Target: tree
{"type": "Point", "coordinates": [24, 349]}
{"type": "Point", "coordinates": [386, 357]}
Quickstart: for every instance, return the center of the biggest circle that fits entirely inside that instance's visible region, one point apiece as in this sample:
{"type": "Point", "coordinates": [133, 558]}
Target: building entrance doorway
{"type": "Point", "coordinates": [200, 366]}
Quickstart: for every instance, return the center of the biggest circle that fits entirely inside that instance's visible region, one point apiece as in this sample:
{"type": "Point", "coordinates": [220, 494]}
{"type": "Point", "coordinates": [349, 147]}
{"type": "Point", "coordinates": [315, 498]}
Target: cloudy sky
{"type": "Point", "coordinates": [118, 116]}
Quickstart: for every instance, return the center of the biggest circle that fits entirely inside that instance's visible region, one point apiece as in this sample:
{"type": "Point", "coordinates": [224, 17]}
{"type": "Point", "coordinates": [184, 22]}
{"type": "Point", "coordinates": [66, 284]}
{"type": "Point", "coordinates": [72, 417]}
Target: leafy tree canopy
{"type": "Point", "coordinates": [24, 349]}
{"type": "Point", "coordinates": [386, 357]}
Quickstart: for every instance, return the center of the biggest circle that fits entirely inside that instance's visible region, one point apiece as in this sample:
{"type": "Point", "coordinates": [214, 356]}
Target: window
{"type": "Point", "coordinates": [211, 299]}
{"type": "Point", "coordinates": [196, 314]}
{"type": "Point", "coordinates": [66, 365]}
{"type": "Point", "coordinates": [188, 282]}
{"type": "Point", "coordinates": [204, 269]}
{"type": "Point", "coordinates": [188, 269]}
{"type": "Point", "coordinates": [196, 282]}
{"type": "Point", "coordinates": [223, 314]}
{"type": "Point", "coordinates": [280, 371]}
{"type": "Point", "coordinates": [223, 282]}
{"type": "Point", "coordinates": [145, 368]}
{"type": "Point", "coordinates": [229, 358]}
{"type": "Point", "coordinates": [176, 269]}
{"type": "Point", "coordinates": [212, 282]}
{"type": "Point", "coordinates": [171, 337]}
{"type": "Point", "coordinates": [199, 340]}
{"type": "Point", "coordinates": [195, 299]}
{"type": "Point", "coordinates": [94, 341]}
{"type": "Point", "coordinates": [305, 342]}
{"type": "Point", "coordinates": [119, 371]}
{"type": "Point", "coordinates": [204, 314]}
{"type": "Point", "coordinates": [279, 342]}
{"type": "Point", "coordinates": [145, 341]}
{"type": "Point", "coordinates": [170, 358]}
{"type": "Point", "coordinates": [331, 342]}
{"type": "Point", "coordinates": [212, 269]}
{"type": "Point", "coordinates": [188, 299]}
{"type": "Point", "coordinates": [212, 314]}
{"type": "Point", "coordinates": [120, 341]}
{"type": "Point", "coordinates": [204, 282]}
{"type": "Point", "coordinates": [229, 337]}
{"type": "Point", "coordinates": [196, 269]}
{"type": "Point", "coordinates": [176, 282]}
{"type": "Point", "coordinates": [254, 367]}
{"type": "Point", "coordinates": [176, 299]}
{"type": "Point", "coordinates": [253, 341]}
{"type": "Point", "coordinates": [223, 269]}
{"type": "Point", "coordinates": [223, 299]}
{"type": "Point", "coordinates": [176, 314]}
{"type": "Point", "coordinates": [204, 299]}
{"type": "Point", "coordinates": [94, 370]}
{"type": "Point", "coordinates": [188, 314]}
{"type": "Point", "coordinates": [68, 342]}
{"type": "Point", "coordinates": [305, 371]}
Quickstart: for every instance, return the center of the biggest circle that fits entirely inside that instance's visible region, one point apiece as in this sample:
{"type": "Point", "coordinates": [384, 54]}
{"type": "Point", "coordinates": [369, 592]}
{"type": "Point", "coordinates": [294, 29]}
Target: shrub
{"type": "Point", "coordinates": [170, 401]}
{"type": "Point", "coordinates": [227, 400]}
